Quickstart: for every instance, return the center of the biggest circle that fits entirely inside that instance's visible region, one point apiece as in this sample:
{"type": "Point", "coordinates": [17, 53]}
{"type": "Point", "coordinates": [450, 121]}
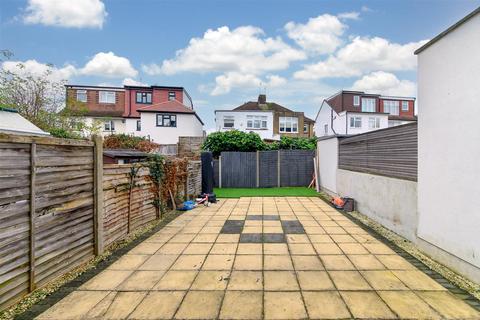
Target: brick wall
{"type": "Point", "coordinates": [190, 147]}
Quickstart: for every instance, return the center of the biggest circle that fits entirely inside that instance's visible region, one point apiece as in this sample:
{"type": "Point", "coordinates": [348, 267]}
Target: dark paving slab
{"type": "Point", "coordinates": [292, 227]}
{"type": "Point", "coordinates": [271, 217]}
{"type": "Point", "coordinates": [232, 227]}
{"type": "Point", "coordinates": [254, 217]}
{"type": "Point", "coordinates": [274, 238]}
{"type": "Point", "coordinates": [251, 238]}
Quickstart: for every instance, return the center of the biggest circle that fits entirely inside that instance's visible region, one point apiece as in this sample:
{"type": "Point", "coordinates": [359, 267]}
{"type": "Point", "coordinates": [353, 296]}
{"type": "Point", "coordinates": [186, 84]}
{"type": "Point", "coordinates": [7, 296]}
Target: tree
{"type": "Point", "coordinates": [41, 99]}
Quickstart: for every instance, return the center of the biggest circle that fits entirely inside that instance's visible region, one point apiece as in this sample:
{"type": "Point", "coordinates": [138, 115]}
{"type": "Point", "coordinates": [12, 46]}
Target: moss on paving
{"type": "Point", "coordinates": [265, 192]}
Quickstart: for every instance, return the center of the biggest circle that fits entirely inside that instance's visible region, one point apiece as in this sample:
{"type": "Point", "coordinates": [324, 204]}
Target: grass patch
{"type": "Point", "coordinates": [265, 192]}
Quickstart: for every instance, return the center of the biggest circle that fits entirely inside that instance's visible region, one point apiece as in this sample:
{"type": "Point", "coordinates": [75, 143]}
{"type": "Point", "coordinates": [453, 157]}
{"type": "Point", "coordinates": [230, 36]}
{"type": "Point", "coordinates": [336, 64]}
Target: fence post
{"type": "Point", "coordinates": [98, 194]}
{"type": "Point", "coordinates": [278, 168]}
{"type": "Point", "coordinates": [219, 171]}
{"type": "Point", "coordinates": [33, 155]}
{"type": "Point", "coordinates": [258, 169]}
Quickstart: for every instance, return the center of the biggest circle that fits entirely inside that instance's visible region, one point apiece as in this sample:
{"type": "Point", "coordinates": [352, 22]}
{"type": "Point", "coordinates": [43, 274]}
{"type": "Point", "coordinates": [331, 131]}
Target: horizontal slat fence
{"type": "Point", "coordinates": [46, 211]}
{"type": "Point", "coordinates": [391, 152]}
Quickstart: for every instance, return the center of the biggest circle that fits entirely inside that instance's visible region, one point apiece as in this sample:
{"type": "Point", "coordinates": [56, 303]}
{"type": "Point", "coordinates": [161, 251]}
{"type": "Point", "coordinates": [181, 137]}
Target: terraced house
{"type": "Point", "coordinates": [354, 112]}
{"type": "Point", "coordinates": [159, 112]}
{"type": "Point", "coordinates": [269, 119]}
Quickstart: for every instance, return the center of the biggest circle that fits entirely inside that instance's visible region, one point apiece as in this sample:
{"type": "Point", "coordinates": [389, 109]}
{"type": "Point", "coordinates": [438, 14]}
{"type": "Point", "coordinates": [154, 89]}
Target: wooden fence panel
{"type": "Point", "coordinates": [391, 152]}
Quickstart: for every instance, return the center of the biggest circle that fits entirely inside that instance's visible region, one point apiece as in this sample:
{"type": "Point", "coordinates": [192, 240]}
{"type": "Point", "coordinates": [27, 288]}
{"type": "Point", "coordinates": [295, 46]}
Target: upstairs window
{"type": "Point", "coordinates": [256, 122]}
{"type": "Point", "coordinates": [228, 121]}
{"type": "Point", "coordinates": [356, 101]}
{"type": "Point", "coordinates": [355, 122]}
{"type": "Point", "coordinates": [106, 97]}
{"type": "Point", "coordinates": [368, 105]}
{"type": "Point", "coordinates": [166, 120]}
{"type": "Point", "coordinates": [82, 95]}
{"type": "Point", "coordinates": [144, 97]}
{"type": "Point", "coordinates": [139, 125]}
{"type": "Point", "coordinates": [288, 124]}
{"type": "Point", "coordinates": [404, 105]}
{"type": "Point", "coordinates": [374, 123]}
{"type": "Point", "coordinates": [171, 96]}
{"type": "Point", "coordinates": [391, 107]}
{"type": "Point", "coordinates": [109, 125]}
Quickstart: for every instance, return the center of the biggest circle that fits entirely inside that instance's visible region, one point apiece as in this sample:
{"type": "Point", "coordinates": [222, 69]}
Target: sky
{"type": "Point", "coordinates": [227, 52]}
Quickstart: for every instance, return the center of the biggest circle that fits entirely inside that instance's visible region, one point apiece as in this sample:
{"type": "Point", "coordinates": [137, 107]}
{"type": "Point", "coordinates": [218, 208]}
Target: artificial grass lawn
{"type": "Point", "coordinates": [265, 192]}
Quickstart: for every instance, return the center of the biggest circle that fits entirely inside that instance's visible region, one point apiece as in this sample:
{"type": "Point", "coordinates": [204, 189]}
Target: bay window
{"type": "Point", "coordinates": [288, 124]}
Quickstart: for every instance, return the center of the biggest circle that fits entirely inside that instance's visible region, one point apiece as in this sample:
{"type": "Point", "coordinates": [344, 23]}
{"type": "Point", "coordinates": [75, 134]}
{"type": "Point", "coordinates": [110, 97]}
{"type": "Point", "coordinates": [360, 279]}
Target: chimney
{"type": "Point", "coordinates": [262, 99]}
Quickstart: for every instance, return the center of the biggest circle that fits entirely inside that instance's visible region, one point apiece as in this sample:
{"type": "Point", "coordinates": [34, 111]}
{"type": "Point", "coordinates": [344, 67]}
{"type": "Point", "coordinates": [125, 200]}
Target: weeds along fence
{"type": "Point", "coordinates": [59, 207]}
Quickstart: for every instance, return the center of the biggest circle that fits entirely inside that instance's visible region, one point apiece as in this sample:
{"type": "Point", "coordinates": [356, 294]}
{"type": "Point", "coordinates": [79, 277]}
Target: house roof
{"type": "Point", "coordinates": [12, 122]}
{"type": "Point", "coordinates": [267, 106]}
{"type": "Point", "coordinates": [447, 31]}
{"type": "Point", "coordinates": [172, 106]}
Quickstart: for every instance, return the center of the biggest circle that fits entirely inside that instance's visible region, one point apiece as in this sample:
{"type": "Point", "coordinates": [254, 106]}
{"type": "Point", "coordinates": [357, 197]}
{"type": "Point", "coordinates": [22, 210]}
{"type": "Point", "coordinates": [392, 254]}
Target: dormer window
{"type": "Point", "coordinates": [171, 96]}
{"type": "Point", "coordinates": [404, 105]}
{"type": "Point", "coordinates": [106, 97]}
{"type": "Point", "coordinates": [82, 95]}
{"type": "Point", "coordinates": [356, 101]}
{"type": "Point", "coordinates": [144, 97]}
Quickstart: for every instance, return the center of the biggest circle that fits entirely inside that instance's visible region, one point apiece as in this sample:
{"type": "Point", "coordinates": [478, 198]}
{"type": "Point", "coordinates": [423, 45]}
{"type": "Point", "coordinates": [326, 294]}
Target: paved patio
{"type": "Point", "coordinates": [261, 258]}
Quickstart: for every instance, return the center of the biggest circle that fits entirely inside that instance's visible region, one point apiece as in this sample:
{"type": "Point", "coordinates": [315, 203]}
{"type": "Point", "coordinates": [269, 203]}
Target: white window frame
{"type": "Point", "coordinates": [356, 101]}
{"type": "Point", "coordinates": [257, 122]}
{"type": "Point", "coordinates": [82, 92]}
{"type": "Point", "coordinates": [288, 123]}
{"type": "Point", "coordinates": [229, 118]}
{"type": "Point", "coordinates": [391, 107]}
{"type": "Point", "coordinates": [109, 125]}
{"type": "Point", "coordinates": [355, 122]}
{"type": "Point", "coordinates": [405, 106]}
{"type": "Point", "coordinates": [369, 104]}
{"type": "Point", "coordinates": [107, 97]}
{"type": "Point", "coordinates": [374, 123]}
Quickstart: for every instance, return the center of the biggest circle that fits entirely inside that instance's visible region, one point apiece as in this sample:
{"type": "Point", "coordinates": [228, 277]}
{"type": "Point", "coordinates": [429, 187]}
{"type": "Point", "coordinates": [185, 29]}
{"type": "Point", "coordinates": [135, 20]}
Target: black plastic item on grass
{"type": "Point", "coordinates": [207, 176]}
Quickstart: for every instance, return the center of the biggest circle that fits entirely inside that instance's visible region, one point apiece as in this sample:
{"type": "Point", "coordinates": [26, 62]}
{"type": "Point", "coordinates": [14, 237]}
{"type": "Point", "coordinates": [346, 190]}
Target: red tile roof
{"type": "Point", "coordinates": [172, 106]}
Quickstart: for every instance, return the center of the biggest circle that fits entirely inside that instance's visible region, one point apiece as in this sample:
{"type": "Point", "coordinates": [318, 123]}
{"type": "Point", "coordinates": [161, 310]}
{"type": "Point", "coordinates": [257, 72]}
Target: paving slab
{"type": "Point", "coordinates": [264, 258]}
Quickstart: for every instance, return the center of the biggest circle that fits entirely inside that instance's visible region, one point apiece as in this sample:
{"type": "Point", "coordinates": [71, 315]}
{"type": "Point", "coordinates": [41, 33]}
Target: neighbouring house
{"type": "Point", "coordinates": [12, 122]}
{"type": "Point", "coordinates": [122, 156]}
{"type": "Point", "coordinates": [449, 160]}
{"type": "Point", "coordinates": [354, 112]}
{"type": "Point", "coordinates": [115, 110]}
{"type": "Point", "coordinates": [269, 119]}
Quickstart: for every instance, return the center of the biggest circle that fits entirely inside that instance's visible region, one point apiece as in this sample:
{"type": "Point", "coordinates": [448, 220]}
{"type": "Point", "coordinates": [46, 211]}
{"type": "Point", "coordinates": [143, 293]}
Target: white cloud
{"type": "Point", "coordinates": [361, 56]}
{"type": "Point", "coordinates": [385, 83]}
{"type": "Point", "coordinates": [38, 69]}
{"type": "Point", "coordinates": [107, 64]}
{"type": "Point", "coordinates": [353, 15]}
{"type": "Point", "coordinates": [225, 82]}
{"type": "Point", "coordinates": [319, 35]}
{"type": "Point", "coordinates": [243, 50]}
{"type": "Point", "coordinates": [133, 82]}
{"type": "Point", "coordinates": [64, 13]}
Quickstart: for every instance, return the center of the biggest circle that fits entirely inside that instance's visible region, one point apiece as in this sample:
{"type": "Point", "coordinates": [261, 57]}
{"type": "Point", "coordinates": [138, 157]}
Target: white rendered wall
{"type": "Point", "coordinates": [327, 153]}
{"type": "Point", "coordinates": [449, 143]}
{"type": "Point", "coordinates": [119, 124]}
{"type": "Point", "coordinates": [389, 201]}
{"type": "Point", "coordinates": [365, 118]}
{"type": "Point", "coordinates": [187, 126]}
{"type": "Point", "coordinates": [324, 117]}
{"type": "Point", "coordinates": [241, 122]}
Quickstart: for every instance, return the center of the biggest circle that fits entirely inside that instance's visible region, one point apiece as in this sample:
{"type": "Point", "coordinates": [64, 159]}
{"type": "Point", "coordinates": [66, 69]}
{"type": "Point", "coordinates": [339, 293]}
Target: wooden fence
{"type": "Point", "coordinates": [60, 206]}
{"type": "Point", "coordinates": [391, 152]}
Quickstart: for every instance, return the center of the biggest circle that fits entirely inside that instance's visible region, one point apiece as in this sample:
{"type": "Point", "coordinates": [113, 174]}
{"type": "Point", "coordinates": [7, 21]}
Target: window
{"type": "Point", "coordinates": [256, 122]}
{"type": "Point", "coordinates": [355, 122]}
{"type": "Point", "coordinates": [356, 101]}
{"type": "Point", "coordinates": [144, 97]}
{"type": "Point", "coordinates": [368, 105]}
{"type": "Point", "coordinates": [325, 129]}
{"type": "Point", "coordinates": [374, 123]}
{"type": "Point", "coordinates": [109, 125]}
{"type": "Point", "coordinates": [171, 96]}
{"type": "Point", "coordinates": [166, 120]}
{"type": "Point", "coordinates": [289, 124]}
{"type": "Point", "coordinates": [106, 97]}
{"type": "Point", "coordinates": [305, 128]}
{"type": "Point", "coordinates": [139, 125]}
{"type": "Point", "coordinates": [82, 95]}
{"type": "Point", "coordinates": [228, 121]}
{"type": "Point", "coordinates": [404, 105]}
{"type": "Point", "coordinates": [391, 107]}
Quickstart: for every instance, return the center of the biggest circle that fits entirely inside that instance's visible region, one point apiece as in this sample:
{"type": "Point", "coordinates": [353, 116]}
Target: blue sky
{"type": "Point", "coordinates": [225, 52]}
